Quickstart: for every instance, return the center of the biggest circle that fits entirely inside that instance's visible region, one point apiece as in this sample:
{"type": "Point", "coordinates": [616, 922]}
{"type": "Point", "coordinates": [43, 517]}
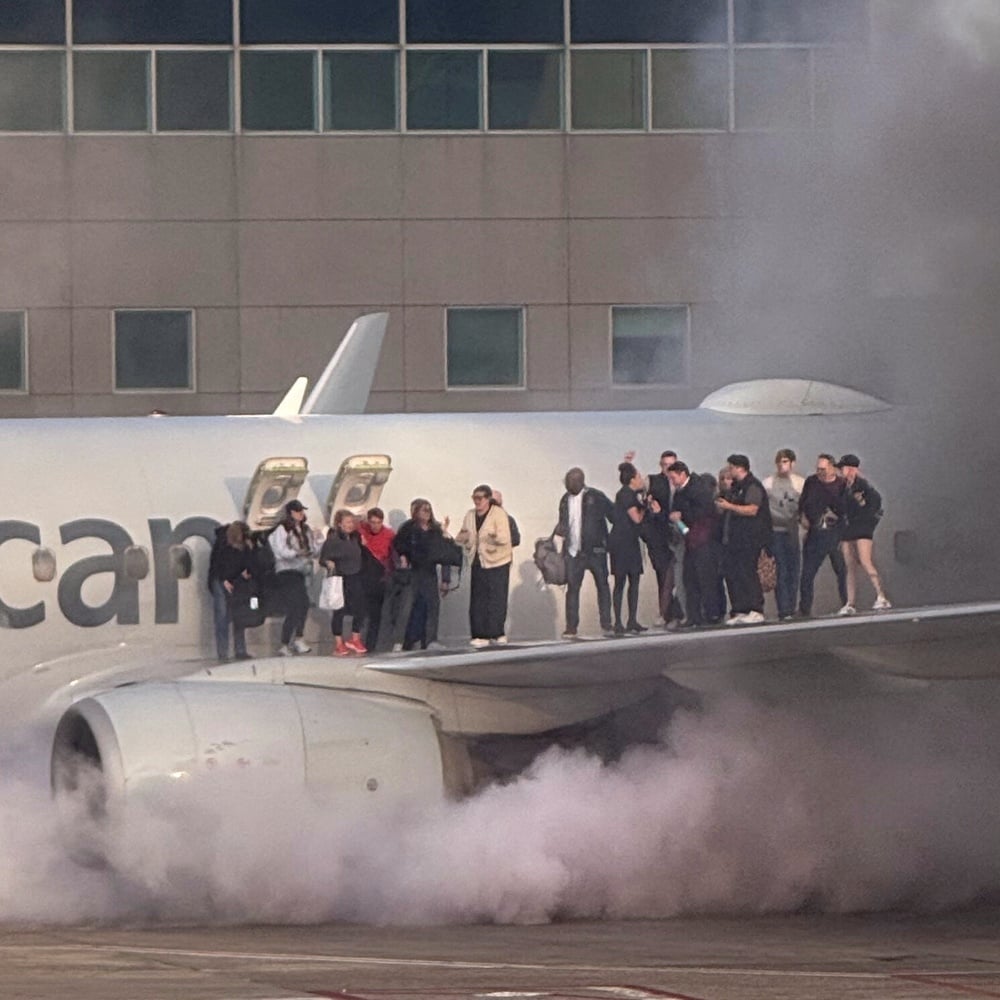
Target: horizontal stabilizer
{"type": "Point", "coordinates": [291, 402]}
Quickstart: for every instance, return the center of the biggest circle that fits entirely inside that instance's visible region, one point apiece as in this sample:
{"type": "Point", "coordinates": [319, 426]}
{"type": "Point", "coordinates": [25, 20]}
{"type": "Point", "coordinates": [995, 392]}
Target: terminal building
{"type": "Point", "coordinates": [562, 204]}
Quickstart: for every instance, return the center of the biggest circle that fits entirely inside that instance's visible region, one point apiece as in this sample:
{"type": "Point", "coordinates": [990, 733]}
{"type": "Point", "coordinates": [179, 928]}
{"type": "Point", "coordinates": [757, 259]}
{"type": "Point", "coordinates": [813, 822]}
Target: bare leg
{"type": "Point", "coordinates": [865, 555]}
{"type": "Point", "coordinates": [850, 553]}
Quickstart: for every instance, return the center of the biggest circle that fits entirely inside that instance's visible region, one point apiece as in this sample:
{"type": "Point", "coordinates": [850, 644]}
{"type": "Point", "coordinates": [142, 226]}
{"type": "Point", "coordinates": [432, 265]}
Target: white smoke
{"type": "Point", "coordinates": [863, 803]}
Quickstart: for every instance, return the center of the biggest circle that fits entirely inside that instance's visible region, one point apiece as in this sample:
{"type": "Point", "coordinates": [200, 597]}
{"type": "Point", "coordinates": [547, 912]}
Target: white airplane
{"type": "Point", "coordinates": [104, 544]}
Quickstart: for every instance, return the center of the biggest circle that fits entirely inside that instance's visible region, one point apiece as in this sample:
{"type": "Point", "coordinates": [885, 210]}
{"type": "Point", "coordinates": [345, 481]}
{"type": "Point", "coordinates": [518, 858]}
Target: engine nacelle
{"type": "Point", "coordinates": [361, 752]}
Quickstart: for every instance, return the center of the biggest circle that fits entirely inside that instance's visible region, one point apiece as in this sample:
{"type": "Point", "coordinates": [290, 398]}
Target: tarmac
{"type": "Point", "coordinates": [806, 957]}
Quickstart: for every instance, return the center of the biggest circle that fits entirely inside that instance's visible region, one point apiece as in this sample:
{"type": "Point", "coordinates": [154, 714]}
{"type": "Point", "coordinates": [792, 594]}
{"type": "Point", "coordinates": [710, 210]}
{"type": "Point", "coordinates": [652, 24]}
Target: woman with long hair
{"type": "Point", "coordinates": [294, 545]}
{"type": "Point", "coordinates": [341, 555]}
{"type": "Point", "coordinates": [624, 547]}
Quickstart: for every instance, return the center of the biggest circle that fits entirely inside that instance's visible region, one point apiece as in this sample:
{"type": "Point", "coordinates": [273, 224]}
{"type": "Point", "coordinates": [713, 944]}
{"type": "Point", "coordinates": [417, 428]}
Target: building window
{"type": "Point", "coordinates": [609, 89]}
{"type": "Point", "coordinates": [772, 89]}
{"type": "Point", "coordinates": [31, 91]}
{"type": "Point", "coordinates": [649, 345]}
{"type": "Point", "coordinates": [360, 91]}
{"type": "Point", "coordinates": [525, 21]}
{"type": "Point", "coordinates": [33, 22]}
{"type": "Point", "coordinates": [13, 374]}
{"type": "Point", "coordinates": [485, 348]}
{"type": "Point", "coordinates": [111, 91]}
{"type": "Point", "coordinates": [690, 89]}
{"type": "Point", "coordinates": [442, 90]}
{"type": "Point", "coordinates": [192, 91]}
{"type": "Point", "coordinates": [154, 349]}
{"type": "Point", "coordinates": [167, 22]}
{"type": "Point", "coordinates": [804, 21]}
{"type": "Point", "coordinates": [279, 91]}
{"type": "Point", "coordinates": [648, 21]}
{"type": "Point", "coordinates": [303, 22]}
{"type": "Point", "coordinates": [525, 90]}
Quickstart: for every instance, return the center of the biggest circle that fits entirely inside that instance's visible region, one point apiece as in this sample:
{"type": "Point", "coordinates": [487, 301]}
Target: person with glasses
{"type": "Point", "coordinates": [486, 538]}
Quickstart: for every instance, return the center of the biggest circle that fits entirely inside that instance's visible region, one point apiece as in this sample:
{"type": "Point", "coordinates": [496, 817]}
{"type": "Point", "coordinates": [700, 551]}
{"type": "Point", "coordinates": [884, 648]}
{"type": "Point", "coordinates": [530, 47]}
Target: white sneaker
{"type": "Point", "coordinates": [847, 609]}
{"type": "Point", "coordinates": [881, 604]}
{"type": "Point", "coordinates": [285, 651]}
{"type": "Point", "coordinates": [736, 620]}
{"type": "Point", "coordinates": [397, 647]}
{"type": "Point", "coordinates": [299, 646]}
{"type": "Point", "coordinates": [500, 640]}
{"type": "Point", "coordinates": [753, 618]}
{"type": "Point", "coordinates": [479, 643]}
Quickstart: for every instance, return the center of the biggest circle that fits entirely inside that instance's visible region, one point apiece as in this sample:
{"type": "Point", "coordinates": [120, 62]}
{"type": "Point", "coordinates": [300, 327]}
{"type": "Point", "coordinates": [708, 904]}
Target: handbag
{"type": "Point", "coordinates": [443, 551]}
{"type": "Point", "coordinates": [550, 561]}
{"type": "Point", "coordinates": [767, 571]}
{"type": "Point", "coordinates": [331, 594]}
{"type": "Point", "coordinates": [245, 607]}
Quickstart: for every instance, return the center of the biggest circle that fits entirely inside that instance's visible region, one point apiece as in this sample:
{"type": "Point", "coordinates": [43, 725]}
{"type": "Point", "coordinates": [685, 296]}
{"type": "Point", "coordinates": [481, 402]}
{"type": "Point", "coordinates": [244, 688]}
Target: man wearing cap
{"type": "Point", "coordinates": [864, 509]}
{"type": "Point", "coordinates": [822, 512]}
{"type": "Point", "coordinates": [294, 546]}
{"type": "Point", "coordinates": [746, 530]}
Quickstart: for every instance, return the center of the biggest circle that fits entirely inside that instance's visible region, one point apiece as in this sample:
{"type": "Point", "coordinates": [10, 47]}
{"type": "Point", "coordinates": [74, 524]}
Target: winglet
{"type": "Point", "coordinates": [291, 402]}
{"type": "Point", "coordinates": [344, 385]}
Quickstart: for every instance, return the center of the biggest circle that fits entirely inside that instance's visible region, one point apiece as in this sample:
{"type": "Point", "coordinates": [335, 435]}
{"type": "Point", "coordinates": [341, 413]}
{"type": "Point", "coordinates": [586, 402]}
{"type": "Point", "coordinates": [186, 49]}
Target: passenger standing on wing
{"type": "Point", "coordinates": [746, 530]}
{"type": "Point", "coordinates": [583, 525]}
{"type": "Point", "coordinates": [229, 566]}
{"type": "Point", "coordinates": [624, 547]}
{"type": "Point", "coordinates": [694, 507]}
{"type": "Point", "coordinates": [485, 534]}
{"type": "Point", "coordinates": [822, 512]}
{"type": "Point", "coordinates": [783, 491]}
{"type": "Point", "coordinates": [377, 538]}
{"type": "Point", "coordinates": [661, 538]}
{"type": "Point", "coordinates": [341, 555]}
{"type": "Point", "coordinates": [294, 545]}
{"type": "Point", "coordinates": [864, 509]}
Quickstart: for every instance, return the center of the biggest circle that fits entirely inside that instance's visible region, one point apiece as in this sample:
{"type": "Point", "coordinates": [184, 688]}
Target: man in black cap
{"type": "Point", "coordinates": [294, 547]}
{"type": "Point", "coordinates": [864, 509]}
{"type": "Point", "coordinates": [746, 530]}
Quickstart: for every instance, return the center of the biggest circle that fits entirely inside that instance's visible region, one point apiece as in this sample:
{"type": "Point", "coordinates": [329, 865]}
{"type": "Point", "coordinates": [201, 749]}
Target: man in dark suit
{"type": "Point", "coordinates": [584, 514]}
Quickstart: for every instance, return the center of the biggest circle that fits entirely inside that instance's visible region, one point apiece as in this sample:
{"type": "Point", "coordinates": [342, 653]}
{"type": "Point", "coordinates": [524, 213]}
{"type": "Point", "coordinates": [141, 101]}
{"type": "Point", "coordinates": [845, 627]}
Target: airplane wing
{"type": "Point", "coordinates": [948, 642]}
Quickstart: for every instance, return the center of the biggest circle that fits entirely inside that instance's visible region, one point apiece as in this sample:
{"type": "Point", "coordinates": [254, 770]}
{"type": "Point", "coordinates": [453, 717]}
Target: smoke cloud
{"type": "Point", "coordinates": [864, 802]}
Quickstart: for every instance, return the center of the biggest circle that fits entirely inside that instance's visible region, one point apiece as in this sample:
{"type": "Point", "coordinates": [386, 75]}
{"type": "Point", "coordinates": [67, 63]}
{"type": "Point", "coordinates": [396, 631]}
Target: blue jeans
{"type": "Point", "coordinates": [819, 545]}
{"type": "Point", "coordinates": [220, 615]}
{"type": "Point", "coordinates": [788, 557]}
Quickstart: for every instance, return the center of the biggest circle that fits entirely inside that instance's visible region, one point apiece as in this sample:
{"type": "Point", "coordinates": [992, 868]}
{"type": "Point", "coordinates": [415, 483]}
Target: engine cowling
{"type": "Point", "coordinates": [362, 752]}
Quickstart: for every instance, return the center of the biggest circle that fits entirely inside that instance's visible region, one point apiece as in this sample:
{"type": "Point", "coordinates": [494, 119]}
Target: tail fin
{"type": "Point", "coordinates": [345, 384]}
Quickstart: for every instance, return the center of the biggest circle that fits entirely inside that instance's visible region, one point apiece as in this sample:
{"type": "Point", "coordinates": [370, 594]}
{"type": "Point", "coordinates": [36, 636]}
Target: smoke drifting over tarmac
{"type": "Point", "coordinates": [865, 802]}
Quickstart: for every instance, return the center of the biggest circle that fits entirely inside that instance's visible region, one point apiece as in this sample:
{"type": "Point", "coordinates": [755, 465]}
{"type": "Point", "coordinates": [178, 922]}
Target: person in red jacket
{"type": "Point", "coordinates": [377, 537]}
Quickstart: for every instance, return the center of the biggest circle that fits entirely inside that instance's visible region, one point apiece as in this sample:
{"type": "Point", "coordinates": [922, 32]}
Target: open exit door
{"type": "Point", "coordinates": [358, 484]}
{"type": "Point", "coordinates": [275, 482]}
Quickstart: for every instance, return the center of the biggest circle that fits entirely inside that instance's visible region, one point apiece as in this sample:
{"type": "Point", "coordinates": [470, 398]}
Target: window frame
{"type": "Point", "coordinates": [192, 386]}
{"type": "Point", "coordinates": [685, 379]}
{"type": "Point", "coordinates": [521, 311]}
{"type": "Point", "coordinates": [24, 388]}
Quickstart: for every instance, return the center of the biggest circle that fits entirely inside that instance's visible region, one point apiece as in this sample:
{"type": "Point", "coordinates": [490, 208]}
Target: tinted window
{"type": "Point", "coordinates": [97, 22]}
{"type": "Point", "coordinates": [690, 88]}
{"type": "Point", "coordinates": [649, 344]}
{"type": "Point", "coordinates": [360, 90]}
{"type": "Point", "coordinates": [264, 21]}
{"type": "Point", "coordinates": [192, 91]}
{"type": "Point", "coordinates": [31, 91]}
{"type": "Point", "coordinates": [484, 21]}
{"type": "Point", "coordinates": [33, 22]}
{"type": "Point", "coordinates": [525, 89]}
{"type": "Point", "coordinates": [12, 351]}
{"type": "Point", "coordinates": [278, 91]}
{"type": "Point", "coordinates": [801, 20]}
{"type": "Point", "coordinates": [648, 21]}
{"type": "Point", "coordinates": [484, 347]}
{"type": "Point", "coordinates": [442, 90]}
{"type": "Point", "coordinates": [772, 88]}
{"type": "Point", "coordinates": [153, 349]}
{"type": "Point", "coordinates": [111, 91]}
{"type": "Point", "coordinates": [609, 89]}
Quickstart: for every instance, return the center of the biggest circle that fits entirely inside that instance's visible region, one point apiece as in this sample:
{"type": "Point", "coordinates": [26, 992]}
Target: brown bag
{"type": "Point", "coordinates": [767, 571]}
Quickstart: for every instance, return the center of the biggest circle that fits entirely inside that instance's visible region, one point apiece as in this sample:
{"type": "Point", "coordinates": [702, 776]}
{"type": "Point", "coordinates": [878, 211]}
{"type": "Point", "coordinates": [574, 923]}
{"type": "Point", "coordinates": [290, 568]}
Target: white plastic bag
{"type": "Point", "coordinates": [331, 595]}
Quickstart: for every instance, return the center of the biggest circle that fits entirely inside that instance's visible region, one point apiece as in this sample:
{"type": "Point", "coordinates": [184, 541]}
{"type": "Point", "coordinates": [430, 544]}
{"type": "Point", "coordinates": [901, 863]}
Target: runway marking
{"type": "Point", "coordinates": [926, 980]}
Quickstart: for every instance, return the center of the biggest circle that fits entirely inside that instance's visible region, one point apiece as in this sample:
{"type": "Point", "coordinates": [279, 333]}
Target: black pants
{"type": "Point", "coordinates": [821, 544]}
{"type": "Point", "coordinates": [374, 599]}
{"type": "Point", "coordinates": [418, 607]}
{"type": "Point", "coordinates": [576, 568]}
{"type": "Point", "coordinates": [701, 584]}
{"type": "Point", "coordinates": [633, 597]}
{"type": "Point", "coordinates": [742, 582]}
{"type": "Point", "coordinates": [355, 606]}
{"type": "Point", "coordinates": [665, 568]}
{"type": "Point", "coordinates": [488, 600]}
{"type": "Point", "coordinates": [294, 599]}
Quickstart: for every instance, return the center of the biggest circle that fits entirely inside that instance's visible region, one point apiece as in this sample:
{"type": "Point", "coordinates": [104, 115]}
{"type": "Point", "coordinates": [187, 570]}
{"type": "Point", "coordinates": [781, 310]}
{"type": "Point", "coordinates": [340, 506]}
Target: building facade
{"type": "Point", "coordinates": [563, 204]}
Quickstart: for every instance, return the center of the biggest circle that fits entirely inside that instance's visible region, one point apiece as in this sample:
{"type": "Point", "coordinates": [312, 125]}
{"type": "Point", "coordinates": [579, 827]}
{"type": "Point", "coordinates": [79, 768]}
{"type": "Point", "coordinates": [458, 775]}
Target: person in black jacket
{"type": "Point", "coordinates": [584, 514]}
{"type": "Point", "coordinates": [624, 547]}
{"type": "Point", "coordinates": [746, 530]}
{"type": "Point", "coordinates": [341, 555]}
{"type": "Point", "coordinates": [823, 513]}
{"type": "Point", "coordinates": [662, 542]}
{"type": "Point", "coordinates": [864, 509]}
{"type": "Point", "coordinates": [230, 568]}
{"type": "Point", "coordinates": [693, 506]}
